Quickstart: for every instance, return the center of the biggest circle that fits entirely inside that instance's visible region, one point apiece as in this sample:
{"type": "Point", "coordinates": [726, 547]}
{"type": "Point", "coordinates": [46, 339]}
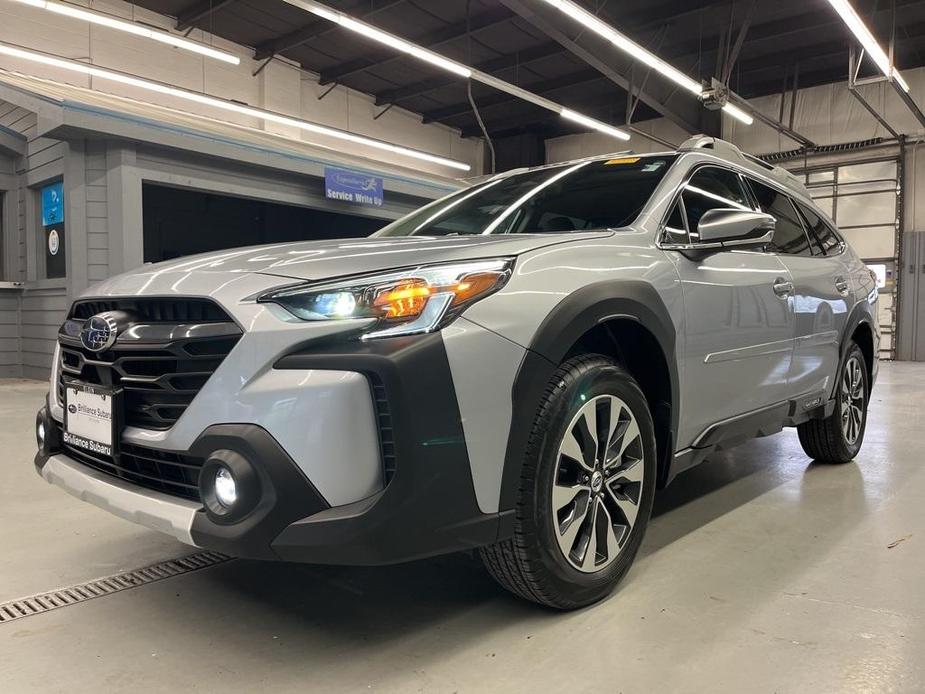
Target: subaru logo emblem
{"type": "Point", "coordinates": [99, 332]}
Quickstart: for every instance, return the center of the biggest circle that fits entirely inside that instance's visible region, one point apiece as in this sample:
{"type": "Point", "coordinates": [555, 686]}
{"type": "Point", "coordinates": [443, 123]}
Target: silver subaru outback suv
{"type": "Point", "coordinates": [514, 369]}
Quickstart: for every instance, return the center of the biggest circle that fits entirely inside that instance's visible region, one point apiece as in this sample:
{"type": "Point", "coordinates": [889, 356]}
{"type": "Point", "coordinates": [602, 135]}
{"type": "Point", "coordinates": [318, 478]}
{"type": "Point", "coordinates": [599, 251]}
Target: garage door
{"type": "Point", "coordinates": [864, 199]}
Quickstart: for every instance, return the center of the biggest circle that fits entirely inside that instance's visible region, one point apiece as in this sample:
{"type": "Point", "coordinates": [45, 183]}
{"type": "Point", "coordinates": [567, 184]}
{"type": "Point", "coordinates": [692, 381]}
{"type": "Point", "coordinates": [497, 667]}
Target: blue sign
{"type": "Point", "coordinates": [53, 204]}
{"type": "Point", "coordinates": [352, 186]}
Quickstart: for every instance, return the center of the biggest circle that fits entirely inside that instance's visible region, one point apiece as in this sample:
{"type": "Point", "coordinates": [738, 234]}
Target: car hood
{"type": "Point", "coordinates": [228, 276]}
{"type": "Point", "coordinates": [316, 260]}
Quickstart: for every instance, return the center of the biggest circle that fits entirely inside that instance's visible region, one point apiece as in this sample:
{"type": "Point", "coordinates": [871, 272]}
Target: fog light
{"type": "Point", "coordinates": [229, 486]}
{"type": "Point", "coordinates": [40, 433]}
{"type": "Point", "coordinates": [226, 490]}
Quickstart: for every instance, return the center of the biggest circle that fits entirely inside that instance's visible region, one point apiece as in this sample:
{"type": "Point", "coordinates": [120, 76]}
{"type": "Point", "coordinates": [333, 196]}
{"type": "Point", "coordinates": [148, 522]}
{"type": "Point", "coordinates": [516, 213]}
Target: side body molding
{"type": "Point", "coordinates": [557, 334]}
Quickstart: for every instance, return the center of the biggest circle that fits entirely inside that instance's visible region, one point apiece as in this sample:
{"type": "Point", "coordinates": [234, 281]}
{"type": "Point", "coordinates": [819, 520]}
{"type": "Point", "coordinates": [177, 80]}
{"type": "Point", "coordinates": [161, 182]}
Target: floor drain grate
{"type": "Point", "coordinates": [43, 602]}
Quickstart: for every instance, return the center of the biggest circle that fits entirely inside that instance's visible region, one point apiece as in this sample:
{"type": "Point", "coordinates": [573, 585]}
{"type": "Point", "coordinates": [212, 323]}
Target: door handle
{"type": "Point", "coordinates": [783, 288]}
{"type": "Point", "coordinates": [841, 286]}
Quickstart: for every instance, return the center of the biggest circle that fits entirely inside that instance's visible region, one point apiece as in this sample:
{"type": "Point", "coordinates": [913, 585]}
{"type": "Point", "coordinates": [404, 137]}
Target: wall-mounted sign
{"type": "Point", "coordinates": [53, 224]}
{"type": "Point", "coordinates": [53, 204]}
{"type": "Point", "coordinates": [352, 186]}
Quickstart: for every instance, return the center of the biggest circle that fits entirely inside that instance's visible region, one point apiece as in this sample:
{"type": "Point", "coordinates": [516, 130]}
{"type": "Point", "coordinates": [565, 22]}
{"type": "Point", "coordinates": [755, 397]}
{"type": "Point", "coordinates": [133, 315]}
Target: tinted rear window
{"type": "Point", "coordinates": [822, 233]}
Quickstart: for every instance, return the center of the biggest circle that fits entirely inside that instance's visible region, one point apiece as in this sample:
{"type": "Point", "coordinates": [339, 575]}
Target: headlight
{"type": "Point", "coordinates": [404, 302]}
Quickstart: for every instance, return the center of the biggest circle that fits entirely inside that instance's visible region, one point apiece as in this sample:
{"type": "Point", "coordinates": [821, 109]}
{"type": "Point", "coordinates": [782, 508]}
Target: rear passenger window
{"type": "Point", "coordinates": [823, 235]}
{"type": "Point", "coordinates": [790, 237]}
{"type": "Point", "coordinates": [712, 188]}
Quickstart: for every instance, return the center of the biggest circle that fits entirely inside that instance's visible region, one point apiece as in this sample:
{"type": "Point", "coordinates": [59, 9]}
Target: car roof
{"type": "Point", "coordinates": [714, 146]}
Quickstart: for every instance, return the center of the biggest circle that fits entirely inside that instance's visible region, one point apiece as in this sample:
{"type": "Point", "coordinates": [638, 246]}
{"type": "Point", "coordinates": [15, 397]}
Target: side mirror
{"type": "Point", "coordinates": [729, 227]}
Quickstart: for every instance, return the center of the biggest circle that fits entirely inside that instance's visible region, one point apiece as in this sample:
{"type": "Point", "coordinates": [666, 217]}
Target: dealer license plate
{"type": "Point", "coordinates": [89, 421]}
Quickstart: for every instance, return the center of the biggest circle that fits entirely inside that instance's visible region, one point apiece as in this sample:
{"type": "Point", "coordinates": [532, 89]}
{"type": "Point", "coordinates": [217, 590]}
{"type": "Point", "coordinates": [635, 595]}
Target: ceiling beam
{"type": "Point", "coordinates": [817, 58]}
{"type": "Point", "coordinates": [642, 21]}
{"type": "Point", "coordinates": [740, 39]}
{"type": "Point", "coordinates": [320, 27]}
{"type": "Point", "coordinates": [526, 118]}
{"type": "Point", "coordinates": [432, 39]}
{"type": "Point", "coordinates": [685, 115]}
{"type": "Point", "coordinates": [293, 39]}
{"type": "Point", "coordinates": [503, 62]}
{"type": "Point", "coordinates": [499, 99]}
{"type": "Point", "coordinates": [199, 10]}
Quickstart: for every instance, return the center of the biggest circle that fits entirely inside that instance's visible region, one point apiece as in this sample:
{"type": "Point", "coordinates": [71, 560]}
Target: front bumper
{"type": "Point", "coordinates": [427, 506]}
{"type": "Point", "coordinates": [160, 512]}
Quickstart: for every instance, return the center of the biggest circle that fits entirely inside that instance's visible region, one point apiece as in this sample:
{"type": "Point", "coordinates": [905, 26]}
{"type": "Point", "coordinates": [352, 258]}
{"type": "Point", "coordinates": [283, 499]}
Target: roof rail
{"type": "Point", "coordinates": [729, 152]}
{"type": "Point", "coordinates": [475, 180]}
{"type": "Point", "coordinates": [719, 146]}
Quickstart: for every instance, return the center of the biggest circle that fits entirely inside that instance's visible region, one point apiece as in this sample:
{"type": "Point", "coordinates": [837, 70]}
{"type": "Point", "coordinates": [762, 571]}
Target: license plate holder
{"type": "Point", "coordinates": [91, 417]}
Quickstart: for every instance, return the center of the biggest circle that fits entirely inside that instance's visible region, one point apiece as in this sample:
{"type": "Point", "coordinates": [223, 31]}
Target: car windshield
{"type": "Point", "coordinates": [588, 195]}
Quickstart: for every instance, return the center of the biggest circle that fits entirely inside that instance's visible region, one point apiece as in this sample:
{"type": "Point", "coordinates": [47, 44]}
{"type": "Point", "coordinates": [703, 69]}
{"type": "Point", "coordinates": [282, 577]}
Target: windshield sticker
{"type": "Point", "coordinates": [653, 166]}
{"type": "Point", "coordinates": [623, 160]}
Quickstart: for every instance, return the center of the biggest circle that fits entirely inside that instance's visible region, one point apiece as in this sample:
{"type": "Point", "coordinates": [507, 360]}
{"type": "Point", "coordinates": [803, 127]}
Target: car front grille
{"type": "Point", "coordinates": [159, 364]}
{"type": "Point", "coordinates": [155, 310]}
{"type": "Point", "coordinates": [162, 471]}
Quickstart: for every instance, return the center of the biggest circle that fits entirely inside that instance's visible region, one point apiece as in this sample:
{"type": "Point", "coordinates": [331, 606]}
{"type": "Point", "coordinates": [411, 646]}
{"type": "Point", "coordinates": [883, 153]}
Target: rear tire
{"type": "Point", "coordinates": [838, 437]}
{"type": "Point", "coordinates": [586, 488]}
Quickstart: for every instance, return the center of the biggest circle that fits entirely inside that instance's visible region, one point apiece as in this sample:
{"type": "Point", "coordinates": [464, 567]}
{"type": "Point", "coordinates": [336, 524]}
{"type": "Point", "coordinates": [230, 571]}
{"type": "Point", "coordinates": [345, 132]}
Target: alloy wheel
{"type": "Point", "coordinates": [852, 400]}
{"type": "Point", "coordinates": [598, 483]}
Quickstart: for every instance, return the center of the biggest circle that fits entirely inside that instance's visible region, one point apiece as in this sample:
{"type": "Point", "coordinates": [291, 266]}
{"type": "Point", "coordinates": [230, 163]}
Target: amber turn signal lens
{"type": "Point", "coordinates": [474, 285]}
{"type": "Point", "coordinates": [404, 300]}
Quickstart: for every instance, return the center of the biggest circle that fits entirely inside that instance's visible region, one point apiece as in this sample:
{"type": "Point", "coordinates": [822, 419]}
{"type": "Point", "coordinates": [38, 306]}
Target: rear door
{"type": "Point", "coordinates": [812, 254]}
{"type": "Point", "coordinates": [738, 328]}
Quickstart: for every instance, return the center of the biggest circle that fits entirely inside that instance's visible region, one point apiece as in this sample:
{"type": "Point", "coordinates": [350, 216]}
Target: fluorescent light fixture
{"type": "Point", "coordinates": [383, 37]}
{"type": "Point", "coordinates": [589, 21]}
{"type": "Point", "coordinates": [457, 68]}
{"type": "Point", "coordinates": [738, 114]}
{"type": "Point", "coordinates": [571, 115]}
{"type": "Point", "coordinates": [224, 105]}
{"type": "Point", "coordinates": [637, 52]}
{"type": "Point", "coordinates": [111, 22]}
{"type": "Point", "coordinates": [867, 41]}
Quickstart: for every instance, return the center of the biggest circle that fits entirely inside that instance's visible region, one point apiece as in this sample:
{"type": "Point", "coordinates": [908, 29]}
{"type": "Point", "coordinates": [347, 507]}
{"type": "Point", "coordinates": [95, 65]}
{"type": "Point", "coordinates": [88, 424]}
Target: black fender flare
{"type": "Point", "coordinates": [574, 316]}
{"type": "Point", "coordinates": [861, 314]}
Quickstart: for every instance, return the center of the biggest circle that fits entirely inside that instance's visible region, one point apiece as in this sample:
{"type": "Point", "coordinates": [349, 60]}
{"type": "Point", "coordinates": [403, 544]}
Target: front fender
{"type": "Point", "coordinates": [574, 316]}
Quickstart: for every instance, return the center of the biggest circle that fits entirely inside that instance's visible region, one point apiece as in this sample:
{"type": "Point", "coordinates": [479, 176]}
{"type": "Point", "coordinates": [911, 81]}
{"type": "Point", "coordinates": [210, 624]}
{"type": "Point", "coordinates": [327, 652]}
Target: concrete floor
{"type": "Point", "coordinates": [761, 572]}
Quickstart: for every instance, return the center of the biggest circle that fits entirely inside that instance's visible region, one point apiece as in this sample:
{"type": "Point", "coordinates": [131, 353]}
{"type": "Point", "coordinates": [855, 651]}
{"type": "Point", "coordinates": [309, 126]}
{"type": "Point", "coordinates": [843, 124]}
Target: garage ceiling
{"type": "Point", "coordinates": [784, 39]}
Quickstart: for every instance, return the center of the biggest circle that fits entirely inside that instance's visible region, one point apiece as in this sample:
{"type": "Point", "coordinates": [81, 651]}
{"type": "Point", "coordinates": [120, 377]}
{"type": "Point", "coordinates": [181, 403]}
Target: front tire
{"type": "Point", "coordinates": [838, 437]}
{"type": "Point", "coordinates": [586, 488]}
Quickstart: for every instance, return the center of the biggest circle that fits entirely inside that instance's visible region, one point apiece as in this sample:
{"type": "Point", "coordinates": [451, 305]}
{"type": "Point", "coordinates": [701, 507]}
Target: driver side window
{"type": "Point", "coordinates": [712, 188]}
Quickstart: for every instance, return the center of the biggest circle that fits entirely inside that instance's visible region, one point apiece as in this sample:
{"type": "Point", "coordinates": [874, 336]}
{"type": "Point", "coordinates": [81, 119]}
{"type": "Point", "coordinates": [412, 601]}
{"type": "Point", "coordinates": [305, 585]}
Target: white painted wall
{"type": "Point", "coordinates": [280, 87]}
